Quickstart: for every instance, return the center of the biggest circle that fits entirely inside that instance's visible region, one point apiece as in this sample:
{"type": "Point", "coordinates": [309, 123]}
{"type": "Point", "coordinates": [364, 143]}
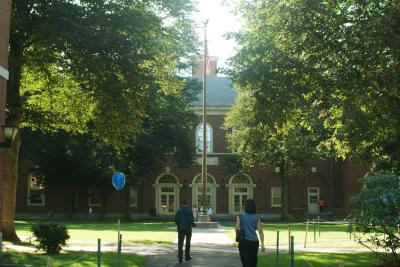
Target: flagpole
{"type": "Point", "coordinates": [204, 154]}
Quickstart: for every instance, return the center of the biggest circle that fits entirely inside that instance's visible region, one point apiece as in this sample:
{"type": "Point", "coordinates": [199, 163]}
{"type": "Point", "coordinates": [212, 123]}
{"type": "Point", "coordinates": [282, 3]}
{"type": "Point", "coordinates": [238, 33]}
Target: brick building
{"type": "Point", "coordinates": [334, 181]}
{"type": "Point", "coordinates": [5, 12]}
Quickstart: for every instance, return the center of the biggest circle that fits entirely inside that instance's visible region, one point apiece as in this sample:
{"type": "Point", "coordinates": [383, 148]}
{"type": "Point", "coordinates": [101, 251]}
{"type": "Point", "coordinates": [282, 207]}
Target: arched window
{"type": "Point", "coordinates": [199, 138]}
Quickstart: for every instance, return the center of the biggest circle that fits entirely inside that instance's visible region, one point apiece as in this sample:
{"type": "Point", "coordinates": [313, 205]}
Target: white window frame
{"type": "Point", "coordinates": [248, 186]}
{"type": "Point", "coordinates": [199, 141]}
{"type": "Point", "coordinates": [133, 196]}
{"type": "Point", "coordinates": [159, 188]}
{"type": "Point", "coordinates": [197, 188]}
{"type": "Point", "coordinates": [90, 198]}
{"type": "Point", "coordinates": [275, 193]}
{"type": "Point", "coordinates": [37, 187]}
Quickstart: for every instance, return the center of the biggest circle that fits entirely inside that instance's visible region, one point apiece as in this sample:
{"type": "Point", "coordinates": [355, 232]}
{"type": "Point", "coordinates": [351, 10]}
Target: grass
{"type": "Point", "coordinates": [327, 236]}
{"type": "Point", "coordinates": [309, 259]}
{"type": "Point", "coordinates": [332, 236]}
{"type": "Point", "coordinates": [71, 259]}
{"type": "Point", "coordinates": [132, 232]}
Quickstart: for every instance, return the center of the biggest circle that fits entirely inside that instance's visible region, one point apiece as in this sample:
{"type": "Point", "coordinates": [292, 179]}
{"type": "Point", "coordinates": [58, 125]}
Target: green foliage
{"type": "Point", "coordinates": [69, 158]}
{"type": "Point", "coordinates": [316, 78]}
{"type": "Point", "coordinates": [101, 57]}
{"type": "Point", "coordinates": [232, 164]}
{"type": "Point", "coordinates": [377, 212]}
{"type": "Point", "coordinates": [52, 101]}
{"type": "Point", "coordinates": [51, 237]}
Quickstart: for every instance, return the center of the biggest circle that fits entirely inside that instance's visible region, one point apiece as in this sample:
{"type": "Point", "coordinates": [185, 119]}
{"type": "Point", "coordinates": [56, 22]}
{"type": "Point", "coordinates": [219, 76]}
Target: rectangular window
{"type": "Point", "coordinates": [199, 139]}
{"type": "Point", "coordinates": [276, 197]}
{"type": "Point", "coordinates": [132, 197]}
{"type": "Point", "coordinates": [35, 191]}
{"type": "Point", "coordinates": [94, 196]}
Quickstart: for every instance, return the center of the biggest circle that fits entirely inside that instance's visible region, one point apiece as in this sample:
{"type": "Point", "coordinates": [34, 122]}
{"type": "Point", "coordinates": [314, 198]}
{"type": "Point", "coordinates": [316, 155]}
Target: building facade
{"type": "Point", "coordinates": [5, 13]}
{"type": "Point", "coordinates": [334, 181]}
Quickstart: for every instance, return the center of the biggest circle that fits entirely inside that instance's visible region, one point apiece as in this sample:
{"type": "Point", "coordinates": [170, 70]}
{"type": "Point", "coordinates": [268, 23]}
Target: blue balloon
{"type": "Point", "coordinates": [118, 180]}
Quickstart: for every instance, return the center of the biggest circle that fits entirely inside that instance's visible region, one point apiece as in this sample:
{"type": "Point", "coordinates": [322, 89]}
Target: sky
{"type": "Point", "coordinates": [220, 22]}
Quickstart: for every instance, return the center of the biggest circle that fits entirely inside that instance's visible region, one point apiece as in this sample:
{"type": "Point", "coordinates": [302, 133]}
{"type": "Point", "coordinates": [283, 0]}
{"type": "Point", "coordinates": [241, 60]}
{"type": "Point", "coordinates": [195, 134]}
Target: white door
{"type": "Point", "coordinates": [197, 193]}
{"type": "Point", "coordinates": [167, 200]}
{"type": "Point", "coordinates": [240, 195]}
{"type": "Point", "coordinates": [313, 199]}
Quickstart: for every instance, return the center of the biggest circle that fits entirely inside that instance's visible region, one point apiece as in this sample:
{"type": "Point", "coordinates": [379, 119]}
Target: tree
{"type": "Point", "coordinates": [333, 63]}
{"type": "Point", "coordinates": [272, 122]}
{"type": "Point", "coordinates": [113, 50]}
{"type": "Point", "coordinates": [376, 214]}
{"type": "Point", "coordinates": [70, 160]}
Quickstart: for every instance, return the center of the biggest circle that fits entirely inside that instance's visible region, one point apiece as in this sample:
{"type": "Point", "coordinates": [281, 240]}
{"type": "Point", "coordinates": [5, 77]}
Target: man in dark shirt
{"type": "Point", "coordinates": [184, 220]}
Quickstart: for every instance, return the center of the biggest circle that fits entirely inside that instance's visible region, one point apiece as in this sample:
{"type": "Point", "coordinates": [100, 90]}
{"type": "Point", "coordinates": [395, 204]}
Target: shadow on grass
{"type": "Point", "coordinates": [71, 258]}
{"type": "Point", "coordinates": [104, 226]}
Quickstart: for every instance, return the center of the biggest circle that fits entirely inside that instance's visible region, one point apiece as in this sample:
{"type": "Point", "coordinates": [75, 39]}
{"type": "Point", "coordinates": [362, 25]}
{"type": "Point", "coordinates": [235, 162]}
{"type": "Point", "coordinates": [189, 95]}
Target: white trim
{"type": "Point", "coordinates": [232, 186]}
{"type": "Point", "coordinates": [213, 191]}
{"type": "Point", "coordinates": [315, 207]}
{"type": "Point", "coordinates": [208, 125]}
{"type": "Point", "coordinates": [272, 197]}
{"type": "Point", "coordinates": [4, 73]}
{"type": "Point", "coordinates": [158, 187]}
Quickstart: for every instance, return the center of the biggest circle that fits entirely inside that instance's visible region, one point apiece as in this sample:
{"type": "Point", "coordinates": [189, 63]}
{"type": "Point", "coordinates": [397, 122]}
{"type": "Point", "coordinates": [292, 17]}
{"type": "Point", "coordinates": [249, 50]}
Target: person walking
{"type": "Point", "coordinates": [321, 205]}
{"type": "Point", "coordinates": [248, 222]}
{"type": "Point", "coordinates": [184, 221]}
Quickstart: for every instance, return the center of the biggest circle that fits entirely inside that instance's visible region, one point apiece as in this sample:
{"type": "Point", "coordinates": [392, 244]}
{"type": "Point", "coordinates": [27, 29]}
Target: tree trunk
{"type": "Point", "coordinates": [285, 191]}
{"type": "Point", "coordinates": [9, 191]}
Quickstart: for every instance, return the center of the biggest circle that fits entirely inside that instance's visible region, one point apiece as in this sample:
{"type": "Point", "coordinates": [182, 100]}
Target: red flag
{"type": "Point", "coordinates": [208, 65]}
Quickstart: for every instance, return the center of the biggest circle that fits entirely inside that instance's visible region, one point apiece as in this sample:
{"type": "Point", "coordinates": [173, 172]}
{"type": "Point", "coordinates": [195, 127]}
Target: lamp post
{"type": "Point", "coordinates": [9, 133]}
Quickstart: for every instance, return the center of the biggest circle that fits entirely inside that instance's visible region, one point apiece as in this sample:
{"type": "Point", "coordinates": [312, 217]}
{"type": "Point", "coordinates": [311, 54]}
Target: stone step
{"type": "Point", "coordinates": [207, 224]}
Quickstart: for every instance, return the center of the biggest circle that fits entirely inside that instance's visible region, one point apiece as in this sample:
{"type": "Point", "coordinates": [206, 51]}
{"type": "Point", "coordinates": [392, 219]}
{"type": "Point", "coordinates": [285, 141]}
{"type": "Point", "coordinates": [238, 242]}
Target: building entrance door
{"type": "Point", "coordinates": [167, 194]}
{"type": "Point", "coordinates": [167, 200]}
{"type": "Point", "coordinates": [241, 189]}
{"type": "Point", "coordinates": [239, 199]}
{"type": "Point", "coordinates": [313, 199]}
{"type": "Point", "coordinates": [197, 192]}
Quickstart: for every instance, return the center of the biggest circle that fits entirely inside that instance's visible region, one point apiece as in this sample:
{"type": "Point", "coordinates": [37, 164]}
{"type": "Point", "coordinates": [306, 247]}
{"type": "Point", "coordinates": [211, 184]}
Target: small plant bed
{"type": "Point", "coordinates": [71, 259]}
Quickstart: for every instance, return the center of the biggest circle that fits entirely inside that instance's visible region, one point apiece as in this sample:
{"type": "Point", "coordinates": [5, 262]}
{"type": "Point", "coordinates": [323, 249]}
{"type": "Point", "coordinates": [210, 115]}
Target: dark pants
{"type": "Point", "coordinates": [248, 251]}
{"type": "Point", "coordinates": [181, 236]}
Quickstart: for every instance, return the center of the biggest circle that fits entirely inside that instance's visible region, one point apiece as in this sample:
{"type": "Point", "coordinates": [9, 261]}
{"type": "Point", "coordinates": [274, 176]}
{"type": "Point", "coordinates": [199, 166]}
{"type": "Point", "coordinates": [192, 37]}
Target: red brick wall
{"type": "Point", "coordinates": [5, 10]}
{"type": "Point", "coordinates": [339, 176]}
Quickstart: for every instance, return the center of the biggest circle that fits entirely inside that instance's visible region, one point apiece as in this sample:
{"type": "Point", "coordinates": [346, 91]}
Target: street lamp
{"type": "Point", "coordinates": [9, 133]}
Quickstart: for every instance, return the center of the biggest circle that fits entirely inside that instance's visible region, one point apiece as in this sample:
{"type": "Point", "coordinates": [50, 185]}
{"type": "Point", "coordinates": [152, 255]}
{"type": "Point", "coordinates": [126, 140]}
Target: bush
{"type": "Point", "coordinates": [377, 213]}
{"type": "Point", "coordinates": [51, 237]}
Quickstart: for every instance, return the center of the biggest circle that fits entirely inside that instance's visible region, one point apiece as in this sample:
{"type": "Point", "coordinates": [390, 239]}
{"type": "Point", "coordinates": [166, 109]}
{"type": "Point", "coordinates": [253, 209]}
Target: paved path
{"type": "Point", "coordinates": [210, 248]}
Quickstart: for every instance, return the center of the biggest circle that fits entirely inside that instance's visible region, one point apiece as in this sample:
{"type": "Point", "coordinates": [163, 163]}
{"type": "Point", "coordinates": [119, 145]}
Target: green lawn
{"type": "Point", "coordinates": [328, 235]}
{"type": "Point", "coordinates": [308, 259]}
{"type": "Point", "coordinates": [72, 259]}
{"type": "Point", "coordinates": [164, 232]}
{"type": "Point", "coordinates": [133, 232]}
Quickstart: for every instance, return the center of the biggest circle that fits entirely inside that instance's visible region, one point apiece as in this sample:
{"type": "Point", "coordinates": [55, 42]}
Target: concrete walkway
{"type": "Point", "coordinates": [210, 247]}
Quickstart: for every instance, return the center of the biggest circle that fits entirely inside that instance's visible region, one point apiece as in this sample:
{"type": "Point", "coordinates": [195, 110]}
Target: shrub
{"type": "Point", "coordinates": [51, 237]}
{"type": "Point", "coordinates": [377, 213]}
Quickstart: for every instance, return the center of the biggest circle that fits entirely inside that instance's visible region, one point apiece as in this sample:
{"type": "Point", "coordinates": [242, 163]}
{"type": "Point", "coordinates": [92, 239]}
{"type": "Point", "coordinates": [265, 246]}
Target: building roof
{"type": "Point", "coordinates": [220, 93]}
